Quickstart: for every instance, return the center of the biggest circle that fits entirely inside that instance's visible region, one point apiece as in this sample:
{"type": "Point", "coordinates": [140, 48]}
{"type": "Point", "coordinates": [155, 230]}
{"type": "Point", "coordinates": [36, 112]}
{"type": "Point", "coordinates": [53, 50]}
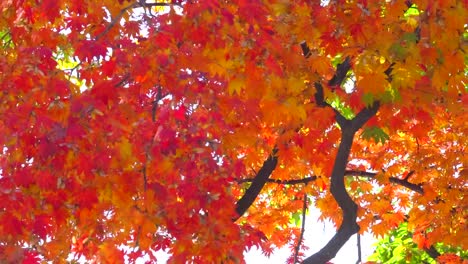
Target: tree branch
{"type": "Point", "coordinates": [269, 165]}
{"type": "Point", "coordinates": [301, 236]}
{"type": "Point", "coordinates": [403, 182]}
{"type": "Point", "coordinates": [359, 260]}
{"type": "Point", "coordinates": [340, 73]}
{"type": "Point", "coordinates": [349, 226]}
{"type": "Point", "coordinates": [115, 20]}
{"type": "Point", "coordinates": [277, 181]}
{"type": "Point", "coordinates": [415, 187]}
{"type": "Point", "coordinates": [364, 115]}
{"type": "Point", "coordinates": [349, 208]}
{"type": "Point", "coordinates": [339, 76]}
{"type": "Point", "coordinates": [257, 184]}
{"type": "Point", "coordinates": [432, 252]}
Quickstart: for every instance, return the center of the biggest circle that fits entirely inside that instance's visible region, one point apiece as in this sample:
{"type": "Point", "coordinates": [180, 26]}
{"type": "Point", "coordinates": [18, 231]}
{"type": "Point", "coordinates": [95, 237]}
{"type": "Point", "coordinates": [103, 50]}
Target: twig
{"type": "Point", "coordinates": [115, 20]}
{"type": "Point", "coordinates": [159, 96]}
{"type": "Point", "coordinates": [359, 260]}
{"type": "Point", "coordinates": [144, 4]}
{"type": "Point", "coordinates": [301, 236]}
{"type": "Point", "coordinates": [366, 174]}
{"type": "Point", "coordinates": [145, 178]}
{"type": "Point", "coordinates": [277, 181]}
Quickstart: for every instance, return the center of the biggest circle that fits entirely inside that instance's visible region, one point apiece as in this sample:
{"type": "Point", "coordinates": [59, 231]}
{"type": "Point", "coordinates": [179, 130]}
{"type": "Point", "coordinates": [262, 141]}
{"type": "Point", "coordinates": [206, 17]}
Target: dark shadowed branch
{"type": "Point", "coordinates": [359, 260]}
{"type": "Point", "coordinates": [356, 173]}
{"type": "Point", "coordinates": [262, 177]}
{"type": "Point", "coordinates": [340, 73]}
{"type": "Point", "coordinates": [257, 184]}
{"type": "Point", "coordinates": [348, 226]}
{"type": "Point", "coordinates": [432, 252]}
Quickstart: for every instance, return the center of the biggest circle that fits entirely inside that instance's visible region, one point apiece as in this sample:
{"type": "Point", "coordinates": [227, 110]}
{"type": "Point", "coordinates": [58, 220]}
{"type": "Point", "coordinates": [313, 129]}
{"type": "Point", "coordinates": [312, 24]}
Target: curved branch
{"type": "Point", "coordinates": [257, 184]}
{"type": "Point", "coordinates": [349, 208]}
{"type": "Point", "coordinates": [270, 164]}
{"type": "Point", "coordinates": [349, 226]}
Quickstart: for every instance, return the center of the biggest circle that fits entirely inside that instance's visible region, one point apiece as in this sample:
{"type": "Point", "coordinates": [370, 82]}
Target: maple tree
{"type": "Point", "coordinates": [202, 127]}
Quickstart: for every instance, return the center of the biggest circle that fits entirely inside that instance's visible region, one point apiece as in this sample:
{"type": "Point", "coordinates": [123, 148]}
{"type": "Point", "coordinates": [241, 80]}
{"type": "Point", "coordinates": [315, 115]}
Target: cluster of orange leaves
{"type": "Point", "coordinates": [138, 143]}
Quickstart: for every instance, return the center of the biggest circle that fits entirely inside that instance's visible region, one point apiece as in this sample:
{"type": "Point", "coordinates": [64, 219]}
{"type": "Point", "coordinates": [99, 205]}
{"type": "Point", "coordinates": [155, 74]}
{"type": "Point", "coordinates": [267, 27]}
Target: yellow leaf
{"type": "Point", "coordinates": [165, 165]}
{"type": "Point", "coordinates": [235, 86]}
{"type": "Point", "coordinates": [296, 85]}
{"type": "Point", "coordinates": [321, 64]}
{"type": "Point", "coordinates": [295, 110]}
{"type": "Point", "coordinates": [405, 75]}
{"type": "Point", "coordinates": [125, 149]}
{"type": "Point", "coordinates": [373, 83]}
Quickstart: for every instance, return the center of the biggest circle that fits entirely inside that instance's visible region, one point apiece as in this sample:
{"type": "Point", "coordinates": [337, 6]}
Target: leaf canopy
{"type": "Point", "coordinates": [197, 127]}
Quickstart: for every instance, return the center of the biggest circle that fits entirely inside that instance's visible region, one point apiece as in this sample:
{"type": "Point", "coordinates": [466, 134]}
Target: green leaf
{"type": "Point", "coordinates": [337, 60]}
{"type": "Point", "coordinates": [296, 219]}
{"type": "Point", "coordinates": [412, 11]}
{"type": "Point", "coordinates": [398, 247]}
{"type": "Point", "coordinates": [410, 37]}
{"type": "Point", "coordinates": [375, 133]}
{"type": "Point", "coordinates": [368, 99]}
{"type": "Point", "coordinates": [346, 111]}
{"type": "Point", "coordinates": [398, 51]}
{"type": "Point", "coordinates": [398, 255]}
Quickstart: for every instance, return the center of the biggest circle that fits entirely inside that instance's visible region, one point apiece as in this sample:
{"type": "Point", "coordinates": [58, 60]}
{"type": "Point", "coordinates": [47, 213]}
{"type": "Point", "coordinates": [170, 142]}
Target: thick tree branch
{"type": "Point", "coordinates": [348, 226]}
{"type": "Point", "coordinates": [363, 116]}
{"type": "Point", "coordinates": [257, 184]}
{"type": "Point", "coordinates": [349, 208]}
{"type": "Point", "coordinates": [340, 73]}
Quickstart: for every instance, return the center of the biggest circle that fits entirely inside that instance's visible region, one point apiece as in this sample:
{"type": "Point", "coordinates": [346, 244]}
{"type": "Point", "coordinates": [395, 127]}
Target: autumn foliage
{"type": "Point", "coordinates": [202, 128]}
